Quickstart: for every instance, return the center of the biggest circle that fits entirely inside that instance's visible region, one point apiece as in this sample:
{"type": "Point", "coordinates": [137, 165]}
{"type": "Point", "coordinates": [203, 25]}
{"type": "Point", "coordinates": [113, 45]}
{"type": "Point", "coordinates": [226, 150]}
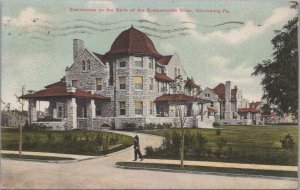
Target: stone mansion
{"type": "Point", "coordinates": [131, 83]}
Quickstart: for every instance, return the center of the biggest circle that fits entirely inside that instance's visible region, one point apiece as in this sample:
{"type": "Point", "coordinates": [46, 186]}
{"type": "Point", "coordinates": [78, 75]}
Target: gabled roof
{"type": "Point", "coordinates": [101, 57]}
{"type": "Point", "coordinates": [59, 89]}
{"type": "Point", "coordinates": [165, 59]}
{"type": "Point", "coordinates": [133, 41]}
{"type": "Point", "coordinates": [220, 91]}
{"type": "Point", "coordinates": [163, 77]}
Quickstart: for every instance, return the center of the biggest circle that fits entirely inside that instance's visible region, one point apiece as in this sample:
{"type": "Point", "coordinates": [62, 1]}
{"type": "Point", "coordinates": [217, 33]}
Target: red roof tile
{"type": "Point", "coordinates": [165, 60]}
{"type": "Point", "coordinates": [163, 77]}
{"type": "Point", "coordinates": [247, 110]}
{"type": "Point", "coordinates": [133, 41]}
{"type": "Point", "coordinates": [176, 97]}
{"type": "Point", "coordinates": [59, 89]}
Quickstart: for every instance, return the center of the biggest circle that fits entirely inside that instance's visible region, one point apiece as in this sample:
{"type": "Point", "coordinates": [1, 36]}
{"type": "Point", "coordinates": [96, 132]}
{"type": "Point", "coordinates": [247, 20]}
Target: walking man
{"type": "Point", "coordinates": [136, 146]}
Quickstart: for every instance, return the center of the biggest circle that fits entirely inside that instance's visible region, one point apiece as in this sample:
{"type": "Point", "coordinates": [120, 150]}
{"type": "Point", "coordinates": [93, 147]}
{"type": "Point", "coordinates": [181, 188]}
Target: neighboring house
{"type": "Point", "coordinates": [131, 83]}
{"type": "Point", "coordinates": [229, 106]}
{"type": "Point", "coordinates": [13, 118]}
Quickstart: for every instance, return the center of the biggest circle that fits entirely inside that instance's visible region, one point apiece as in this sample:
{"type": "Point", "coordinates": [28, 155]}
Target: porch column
{"type": "Point", "coordinates": [91, 113]}
{"type": "Point", "coordinates": [32, 111]}
{"type": "Point", "coordinates": [72, 113]}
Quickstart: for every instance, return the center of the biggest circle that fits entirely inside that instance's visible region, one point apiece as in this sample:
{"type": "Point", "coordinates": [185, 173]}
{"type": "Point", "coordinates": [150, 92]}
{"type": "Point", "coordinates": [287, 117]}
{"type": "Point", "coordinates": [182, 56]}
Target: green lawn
{"type": "Point", "coordinates": [209, 169]}
{"type": "Point", "coordinates": [68, 142]}
{"type": "Point", "coordinates": [245, 144]}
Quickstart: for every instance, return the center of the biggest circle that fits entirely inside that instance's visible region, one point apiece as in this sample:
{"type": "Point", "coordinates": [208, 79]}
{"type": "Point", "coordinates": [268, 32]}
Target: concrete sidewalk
{"type": "Point", "coordinates": [74, 156]}
{"type": "Point", "coordinates": [223, 164]}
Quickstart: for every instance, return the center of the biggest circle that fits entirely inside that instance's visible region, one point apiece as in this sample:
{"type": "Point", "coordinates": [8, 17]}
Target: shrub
{"type": "Point", "coordinates": [218, 132]}
{"type": "Point", "coordinates": [129, 126]}
{"type": "Point", "coordinates": [167, 125]}
{"type": "Point", "coordinates": [221, 142]}
{"type": "Point", "coordinates": [288, 142]}
{"type": "Point", "coordinates": [50, 138]}
{"type": "Point", "coordinates": [216, 124]}
{"type": "Point", "coordinates": [150, 126]}
{"type": "Point", "coordinates": [201, 143]}
{"type": "Point", "coordinates": [149, 151]}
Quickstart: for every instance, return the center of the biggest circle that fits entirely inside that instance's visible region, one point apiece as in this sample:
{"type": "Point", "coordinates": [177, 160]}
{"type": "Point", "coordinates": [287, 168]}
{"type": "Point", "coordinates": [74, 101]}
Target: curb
{"type": "Point", "coordinates": [68, 161]}
{"type": "Point", "coordinates": [207, 173]}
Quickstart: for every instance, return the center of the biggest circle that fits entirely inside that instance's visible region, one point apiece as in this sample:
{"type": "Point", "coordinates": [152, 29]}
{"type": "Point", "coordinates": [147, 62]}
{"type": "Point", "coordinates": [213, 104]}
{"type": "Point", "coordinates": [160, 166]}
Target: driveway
{"type": "Point", "coordinates": [101, 173]}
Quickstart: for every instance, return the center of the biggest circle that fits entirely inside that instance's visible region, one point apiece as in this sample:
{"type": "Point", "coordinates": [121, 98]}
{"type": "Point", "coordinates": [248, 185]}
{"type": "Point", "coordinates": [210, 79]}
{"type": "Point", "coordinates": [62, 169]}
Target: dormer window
{"type": "Point", "coordinates": [88, 65]}
{"type": "Point", "coordinates": [83, 67]}
{"type": "Point", "coordinates": [207, 95]}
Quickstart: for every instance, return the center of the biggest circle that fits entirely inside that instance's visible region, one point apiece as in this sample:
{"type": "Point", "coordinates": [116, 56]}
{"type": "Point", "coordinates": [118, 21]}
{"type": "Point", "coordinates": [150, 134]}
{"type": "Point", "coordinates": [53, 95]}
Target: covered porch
{"type": "Point", "coordinates": [170, 105]}
{"type": "Point", "coordinates": [69, 108]}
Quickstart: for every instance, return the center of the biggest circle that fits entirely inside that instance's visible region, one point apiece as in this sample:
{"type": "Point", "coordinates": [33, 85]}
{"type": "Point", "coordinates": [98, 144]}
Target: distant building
{"type": "Point", "coordinates": [13, 118]}
{"type": "Point", "coordinates": [229, 106]}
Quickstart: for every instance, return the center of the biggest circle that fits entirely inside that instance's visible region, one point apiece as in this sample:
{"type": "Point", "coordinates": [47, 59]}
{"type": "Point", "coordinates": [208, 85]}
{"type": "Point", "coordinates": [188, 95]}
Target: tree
{"type": "Point", "coordinates": [288, 142]}
{"type": "Point", "coordinates": [21, 103]}
{"type": "Point", "coordinates": [280, 74]}
{"type": "Point", "coordinates": [182, 87]}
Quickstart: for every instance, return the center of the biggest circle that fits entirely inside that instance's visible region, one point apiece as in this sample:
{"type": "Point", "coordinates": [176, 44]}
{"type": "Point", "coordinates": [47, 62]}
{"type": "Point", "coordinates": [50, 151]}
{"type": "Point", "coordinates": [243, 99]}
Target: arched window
{"type": "Point", "coordinates": [88, 65]}
{"type": "Point", "coordinates": [83, 65]}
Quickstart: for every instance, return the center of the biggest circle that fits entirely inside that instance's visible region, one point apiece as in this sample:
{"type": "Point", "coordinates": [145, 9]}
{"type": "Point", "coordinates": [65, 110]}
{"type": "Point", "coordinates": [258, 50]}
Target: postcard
{"type": "Point", "coordinates": [172, 94]}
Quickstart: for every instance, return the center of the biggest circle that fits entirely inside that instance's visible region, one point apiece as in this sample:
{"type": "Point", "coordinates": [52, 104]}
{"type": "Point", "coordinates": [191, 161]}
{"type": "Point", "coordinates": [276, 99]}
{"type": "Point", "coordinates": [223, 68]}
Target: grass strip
{"type": "Point", "coordinates": [210, 169]}
{"type": "Point", "coordinates": [33, 157]}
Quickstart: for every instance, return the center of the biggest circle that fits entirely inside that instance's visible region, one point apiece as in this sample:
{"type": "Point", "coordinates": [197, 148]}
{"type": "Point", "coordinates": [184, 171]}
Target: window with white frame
{"type": "Point", "coordinates": [207, 95]}
{"type": "Point", "coordinates": [98, 83]}
{"type": "Point", "coordinates": [138, 105]}
{"type": "Point", "coordinates": [138, 62]}
{"type": "Point", "coordinates": [122, 64]}
{"type": "Point", "coordinates": [122, 105]}
{"type": "Point", "coordinates": [150, 63]}
{"type": "Point", "coordinates": [83, 66]}
{"type": "Point", "coordinates": [138, 83]}
{"type": "Point", "coordinates": [98, 110]}
{"type": "Point", "coordinates": [74, 83]}
{"type": "Point", "coordinates": [122, 82]}
{"type": "Point", "coordinates": [88, 65]}
{"type": "Point", "coordinates": [151, 108]}
{"type": "Point", "coordinates": [151, 84]}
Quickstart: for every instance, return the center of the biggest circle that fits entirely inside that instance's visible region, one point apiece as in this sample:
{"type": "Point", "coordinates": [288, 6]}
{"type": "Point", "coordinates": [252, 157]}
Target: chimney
{"type": "Point", "coordinates": [71, 89]}
{"type": "Point", "coordinates": [228, 114]}
{"type": "Point", "coordinates": [235, 87]}
{"type": "Point", "coordinates": [78, 47]}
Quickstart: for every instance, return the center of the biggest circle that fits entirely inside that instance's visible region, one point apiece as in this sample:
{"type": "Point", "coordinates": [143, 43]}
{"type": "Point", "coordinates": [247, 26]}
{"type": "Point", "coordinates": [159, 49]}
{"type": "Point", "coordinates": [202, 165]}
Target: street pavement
{"type": "Point", "coordinates": [101, 173]}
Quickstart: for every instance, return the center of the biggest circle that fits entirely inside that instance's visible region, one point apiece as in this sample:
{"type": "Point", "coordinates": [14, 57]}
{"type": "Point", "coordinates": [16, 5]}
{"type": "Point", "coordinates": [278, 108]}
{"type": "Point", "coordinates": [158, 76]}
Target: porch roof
{"type": "Point", "coordinates": [163, 77]}
{"type": "Point", "coordinates": [59, 89]}
{"type": "Point", "coordinates": [247, 110]}
{"type": "Point", "coordinates": [178, 97]}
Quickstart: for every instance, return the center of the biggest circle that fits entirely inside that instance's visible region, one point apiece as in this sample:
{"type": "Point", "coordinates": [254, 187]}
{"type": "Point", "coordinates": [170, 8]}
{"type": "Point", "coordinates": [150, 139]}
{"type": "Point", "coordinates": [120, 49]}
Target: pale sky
{"type": "Point", "coordinates": [219, 40]}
